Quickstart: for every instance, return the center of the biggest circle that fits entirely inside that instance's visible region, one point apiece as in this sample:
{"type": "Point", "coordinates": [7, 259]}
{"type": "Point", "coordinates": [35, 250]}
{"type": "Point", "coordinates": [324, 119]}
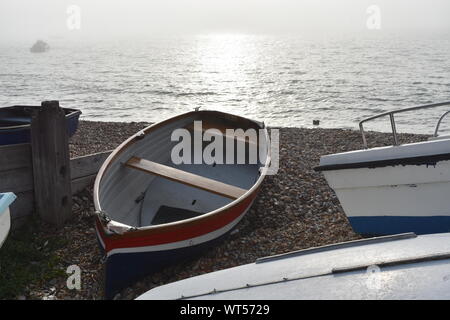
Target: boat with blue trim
{"type": "Point", "coordinates": [153, 210]}
{"type": "Point", "coordinates": [394, 189]}
{"type": "Point", "coordinates": [6, 199]}
{"type": "Point", "coordinates": [15, 123]}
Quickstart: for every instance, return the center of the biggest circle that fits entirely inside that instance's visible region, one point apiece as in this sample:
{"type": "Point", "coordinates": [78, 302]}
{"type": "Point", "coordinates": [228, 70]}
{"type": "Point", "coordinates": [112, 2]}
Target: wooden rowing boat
{"type": "Point", "coordinates": [152, 212]}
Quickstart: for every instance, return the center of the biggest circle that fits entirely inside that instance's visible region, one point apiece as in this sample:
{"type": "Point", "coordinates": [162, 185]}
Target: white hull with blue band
{"type": "Point", "coordinates": [394, 189]}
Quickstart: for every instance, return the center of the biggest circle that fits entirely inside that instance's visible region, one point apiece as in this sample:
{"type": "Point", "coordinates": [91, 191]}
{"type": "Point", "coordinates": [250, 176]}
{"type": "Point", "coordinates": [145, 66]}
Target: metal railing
{"type": "Point", "coordinates": [392, 119]}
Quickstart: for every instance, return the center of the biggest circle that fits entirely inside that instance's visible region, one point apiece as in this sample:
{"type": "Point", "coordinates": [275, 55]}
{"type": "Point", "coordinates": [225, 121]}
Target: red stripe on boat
{"type": "Point", "coordinates": [209, 224]}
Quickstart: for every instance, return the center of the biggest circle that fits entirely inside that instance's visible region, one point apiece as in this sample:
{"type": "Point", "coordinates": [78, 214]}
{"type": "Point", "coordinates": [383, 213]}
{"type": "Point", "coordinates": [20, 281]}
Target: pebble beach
{"type": "Point", "coordinates": [295, 209]}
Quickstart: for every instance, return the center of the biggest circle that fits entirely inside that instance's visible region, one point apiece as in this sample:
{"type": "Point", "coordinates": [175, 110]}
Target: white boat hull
{"type": "Point", "coordinates": [5, 225]}
{"type": "Point", "coordinates": [392, 267]}
{"type": "Point", "coordinates": [411, 195]}
{"type": "Point", "coordinates": [394, 194]}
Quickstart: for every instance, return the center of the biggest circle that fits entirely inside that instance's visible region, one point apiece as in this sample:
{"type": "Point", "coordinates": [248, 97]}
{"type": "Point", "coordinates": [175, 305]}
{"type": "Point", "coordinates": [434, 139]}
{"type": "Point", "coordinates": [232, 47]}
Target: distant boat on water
{"type": "Point", "coordinates": [40, 46]}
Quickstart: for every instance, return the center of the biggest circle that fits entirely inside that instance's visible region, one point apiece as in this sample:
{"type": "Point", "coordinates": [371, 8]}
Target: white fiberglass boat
{"type": "Point", "coordinates": [394, 189]}
{"type": "Point", "coordinates": [5, 219]}
{"type": "Point", "coordinates": [400, 267]}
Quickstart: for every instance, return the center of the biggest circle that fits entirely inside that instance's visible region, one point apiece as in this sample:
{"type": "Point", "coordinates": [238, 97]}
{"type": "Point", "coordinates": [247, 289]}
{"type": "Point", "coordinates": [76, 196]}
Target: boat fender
{"type": "Point", "coordinates": [118, 228]}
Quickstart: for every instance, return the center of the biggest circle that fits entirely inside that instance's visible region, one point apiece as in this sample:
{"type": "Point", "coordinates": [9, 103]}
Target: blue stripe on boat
{"type": "Point", "coordinates": [123, 269]}
{"type": "Point", "coordinates": [386, 225]}
{"type": "Point", "coordinates": [5, 200]}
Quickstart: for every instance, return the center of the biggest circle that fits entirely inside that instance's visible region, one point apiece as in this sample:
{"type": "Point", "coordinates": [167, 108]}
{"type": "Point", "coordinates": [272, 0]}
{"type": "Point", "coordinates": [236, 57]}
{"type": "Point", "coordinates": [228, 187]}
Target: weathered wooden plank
{"type": "Point", "coordinates": [51, 164]}
{"type": "Point", "coordinates": [83, 174]}
{"type": "Point", "coordinates": [84, 170]}
{"type": "Point", "coordinates": [16, 180]}
{"type": "Point", "coordinates": [80, 184]}
{"type": "Point", "coordinates": [21, 179]}
{"type": "Point", "coordinates": [19, 222]}
{"type": "Point", "coordinates": [15, 156]}
{"type": "Point", "coordinates": [23, 206]}
{"type": "Point", "coordinates": [16, 175]}
{"type": "Point", "coordinates": [187, 178]}
{"type": "Point", "coordinates": [87, 165]}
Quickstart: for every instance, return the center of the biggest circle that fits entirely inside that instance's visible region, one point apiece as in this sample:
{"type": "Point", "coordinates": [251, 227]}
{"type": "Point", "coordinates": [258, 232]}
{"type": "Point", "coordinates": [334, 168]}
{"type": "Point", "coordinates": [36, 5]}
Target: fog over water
{"type": "Point", "coordinates": [113, 19]}
{"type": "Point", "coordinates": [285, 62]}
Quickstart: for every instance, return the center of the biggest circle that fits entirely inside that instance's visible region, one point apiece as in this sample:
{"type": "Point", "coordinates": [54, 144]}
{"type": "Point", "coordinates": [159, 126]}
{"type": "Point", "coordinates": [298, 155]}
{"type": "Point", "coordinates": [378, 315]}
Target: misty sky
{"type": "Point", "coordinates": [32, 19]}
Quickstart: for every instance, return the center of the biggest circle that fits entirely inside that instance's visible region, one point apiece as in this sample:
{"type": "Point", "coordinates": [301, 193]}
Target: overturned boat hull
{"type": "Point", "coordinates": [399, 267]}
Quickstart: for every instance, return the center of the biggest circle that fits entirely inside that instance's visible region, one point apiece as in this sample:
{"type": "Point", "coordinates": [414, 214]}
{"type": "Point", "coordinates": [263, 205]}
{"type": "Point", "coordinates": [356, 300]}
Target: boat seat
{"type": "Point", "coordinates": [222, 128]}
{"type": "Point", "coordinates": [187, 178]}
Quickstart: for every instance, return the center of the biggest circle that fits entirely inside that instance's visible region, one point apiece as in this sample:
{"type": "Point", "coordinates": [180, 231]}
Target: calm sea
{"type": "Point", "coordinates": [282, 80]}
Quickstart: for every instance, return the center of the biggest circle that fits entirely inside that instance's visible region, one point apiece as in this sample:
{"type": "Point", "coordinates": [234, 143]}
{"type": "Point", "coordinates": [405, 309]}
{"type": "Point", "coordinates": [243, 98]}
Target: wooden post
{"type": "Point", "coordinates": [51, 164]}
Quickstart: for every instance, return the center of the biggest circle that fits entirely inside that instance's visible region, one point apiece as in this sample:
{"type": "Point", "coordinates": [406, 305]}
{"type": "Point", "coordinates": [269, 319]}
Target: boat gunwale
{"type": "Point", "coordinates": [137, 231]}
{"type": "Point", "coordinates": [432, 159]}
{"type": "Point", "coordinates": [71, 114]}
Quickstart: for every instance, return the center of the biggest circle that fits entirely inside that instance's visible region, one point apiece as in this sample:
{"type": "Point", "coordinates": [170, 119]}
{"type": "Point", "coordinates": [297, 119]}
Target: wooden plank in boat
{"type": "Point", "coordinates": [187, 178]}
